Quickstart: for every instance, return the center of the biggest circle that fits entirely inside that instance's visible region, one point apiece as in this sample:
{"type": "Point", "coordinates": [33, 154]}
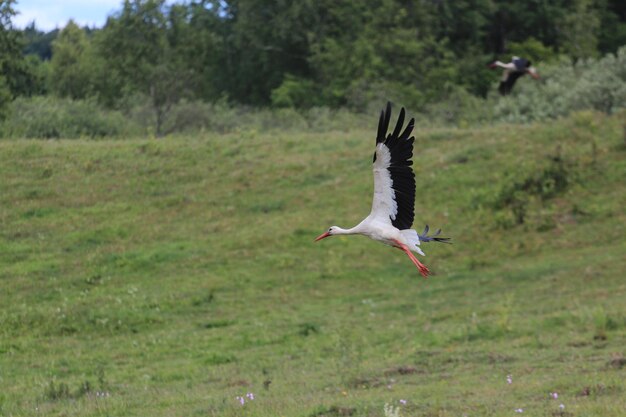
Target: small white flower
{"type": "Point", "coordinates": [509, 379]}
{"type": "Point", "coordinates": [554, 395]}
{"type": "Point", "coordinates": [519, 410]}
{"type": "Point", "coordinates": [561, 407]}
{"type": "Point", "coordinates": [403, 402]}
{"type": "Point", "coordinates": [250, 396]}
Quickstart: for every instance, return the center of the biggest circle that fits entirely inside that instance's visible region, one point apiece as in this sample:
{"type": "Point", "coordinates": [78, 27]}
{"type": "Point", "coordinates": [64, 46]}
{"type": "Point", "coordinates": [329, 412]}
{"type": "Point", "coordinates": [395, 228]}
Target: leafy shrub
{"type": "Point", "coordinates": [517, 194]}
{"type": "Point", "coordinates": [5, 98]}
{"type": "Point", "coordinates": [294, 92]}
{"type": "Point", "coordinates": [50, 118]}
{"type": "Point", "coordinates": [325, 119]}
{"type": "Point", "coordinates": [220, 117]}
{"type": "Point", "coordinates": [460, 108]}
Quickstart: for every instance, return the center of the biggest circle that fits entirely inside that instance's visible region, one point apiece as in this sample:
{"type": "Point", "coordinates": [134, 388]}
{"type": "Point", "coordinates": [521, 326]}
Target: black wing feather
{"type": "Point", "coordinates": [383, 126]}
{"type": "Point", "coordinates": [507, 85]}
{"type": "Point", "coordinates": [399, 124]}
{"type": "Point", "coordinates": [521, 64]}
{"type": "Point", "coordinates": [400, 147]}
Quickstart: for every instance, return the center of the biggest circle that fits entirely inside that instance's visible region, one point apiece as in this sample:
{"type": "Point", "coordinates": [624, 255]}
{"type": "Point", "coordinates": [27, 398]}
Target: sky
{"type": "Point", "coordinates": [51, 14]}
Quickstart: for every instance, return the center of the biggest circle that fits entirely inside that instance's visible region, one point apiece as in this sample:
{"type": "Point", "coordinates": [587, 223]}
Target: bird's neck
{"type": "Point", "coordinates": [352, 231]}
{"type": "Point", "coordinates": [501, 64]}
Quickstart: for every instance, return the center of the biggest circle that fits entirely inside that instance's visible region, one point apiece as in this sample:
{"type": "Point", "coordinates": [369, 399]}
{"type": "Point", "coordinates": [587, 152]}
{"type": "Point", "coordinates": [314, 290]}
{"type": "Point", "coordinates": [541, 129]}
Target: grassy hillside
{"type": "Point", "coordinates": [167, 277]}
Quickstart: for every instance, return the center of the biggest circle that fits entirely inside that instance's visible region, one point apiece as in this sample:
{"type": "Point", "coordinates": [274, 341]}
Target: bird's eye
{"type": "Point", "coordinates": [330, 230]}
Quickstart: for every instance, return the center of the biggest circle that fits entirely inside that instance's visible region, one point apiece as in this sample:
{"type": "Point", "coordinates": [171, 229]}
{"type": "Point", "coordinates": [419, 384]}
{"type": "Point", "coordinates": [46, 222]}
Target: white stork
{"type": "Point", "coordinates": [512, 71]}
{"type": "Point", "coordinates": [393, 206]}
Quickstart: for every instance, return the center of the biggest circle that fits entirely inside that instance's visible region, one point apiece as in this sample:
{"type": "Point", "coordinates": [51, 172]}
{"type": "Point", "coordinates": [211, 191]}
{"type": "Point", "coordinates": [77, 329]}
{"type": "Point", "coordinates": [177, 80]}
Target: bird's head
{"type": "Point", "coordinates": [332, 230]}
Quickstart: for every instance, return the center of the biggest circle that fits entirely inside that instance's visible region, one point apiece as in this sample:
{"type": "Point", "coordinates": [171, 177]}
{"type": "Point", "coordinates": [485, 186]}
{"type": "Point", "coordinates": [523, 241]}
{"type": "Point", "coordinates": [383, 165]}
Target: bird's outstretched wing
{"type": "Point", "coordinates": [394, 180]}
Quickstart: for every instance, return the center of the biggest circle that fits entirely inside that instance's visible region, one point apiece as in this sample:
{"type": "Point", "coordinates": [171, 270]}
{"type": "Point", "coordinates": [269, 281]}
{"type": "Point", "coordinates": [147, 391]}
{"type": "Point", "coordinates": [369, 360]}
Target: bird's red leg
{"type": "Point", "coordinates": [422, 268]}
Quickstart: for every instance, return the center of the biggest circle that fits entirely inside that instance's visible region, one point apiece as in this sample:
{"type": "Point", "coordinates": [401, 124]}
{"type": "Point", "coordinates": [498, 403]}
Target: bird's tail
{"type": "Point", "coordinates": [434, 237]}
{"type": "Point", "coordinates": [413, 240]}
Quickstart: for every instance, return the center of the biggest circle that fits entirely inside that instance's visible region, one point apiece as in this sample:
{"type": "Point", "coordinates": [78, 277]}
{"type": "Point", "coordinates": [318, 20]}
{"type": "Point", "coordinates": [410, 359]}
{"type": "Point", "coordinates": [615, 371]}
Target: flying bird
{"type": "Point", "coordinates": [512, 71]}
{"type": "Point", "coordinates": [393, 205]}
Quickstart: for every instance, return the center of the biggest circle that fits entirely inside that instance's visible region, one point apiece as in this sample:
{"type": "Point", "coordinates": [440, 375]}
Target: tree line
{"type": "Point", "coordinates": [300, 53]}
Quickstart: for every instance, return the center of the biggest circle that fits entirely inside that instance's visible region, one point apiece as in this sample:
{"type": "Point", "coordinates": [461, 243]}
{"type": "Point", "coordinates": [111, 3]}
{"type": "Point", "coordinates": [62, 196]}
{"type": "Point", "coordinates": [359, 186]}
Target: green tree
{"type": "Point", "coordinates": [15, 77]}
{"type": "Point", "coordinates": [266, 39]}
{"type": "Point", "coordinates": [37, 42]}
{"type": "Point", "coordinates": [465, 24]}
{"type": "Point", "coordinates": [580, 30]}
{"type": "Point", "coordinates": [381, 48]}
{"type": "Point", "coordinates": [206, 43]}
{"type": "Point", "coordinates": [71, 72]}
{"type": "Point", "coordinates": [612, 34]}
{"type": "Point", "coordinates": [518, 20]}
{"type": "Point", "coordinates": [141, 57]}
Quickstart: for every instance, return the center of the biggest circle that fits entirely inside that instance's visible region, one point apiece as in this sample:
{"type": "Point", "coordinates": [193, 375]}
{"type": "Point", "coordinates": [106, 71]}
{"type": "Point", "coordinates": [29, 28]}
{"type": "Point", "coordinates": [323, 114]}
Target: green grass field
{"type": "Point", "coordinates": [167, 277]}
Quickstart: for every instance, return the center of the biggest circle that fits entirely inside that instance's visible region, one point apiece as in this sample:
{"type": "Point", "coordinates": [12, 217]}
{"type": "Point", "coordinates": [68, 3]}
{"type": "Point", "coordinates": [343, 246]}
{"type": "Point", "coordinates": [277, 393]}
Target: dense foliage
{"type": "Point", "coordinates": [429, 55]}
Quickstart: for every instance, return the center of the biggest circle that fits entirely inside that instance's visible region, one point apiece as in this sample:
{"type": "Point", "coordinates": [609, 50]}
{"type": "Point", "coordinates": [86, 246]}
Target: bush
{"type": "Point", "coordinates": [189, 116]}
{"type": "Point", "coordinates": [5, 98]}
{"type": "Point", "coordinates": [460, 108]}
{"type": "Point", "coordinates": [540, 184]}
{"type": "Point", "coordinates": [51, 117]}
{"type": "Point", "coordinates": [294, 92]}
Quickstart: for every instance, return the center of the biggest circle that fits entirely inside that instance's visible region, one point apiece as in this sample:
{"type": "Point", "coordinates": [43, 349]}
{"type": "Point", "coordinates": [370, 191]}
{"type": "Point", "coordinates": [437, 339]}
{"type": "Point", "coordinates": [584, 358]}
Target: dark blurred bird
{"type": "Point", "coordinates": [393, 205]}
{"type": "Point", "coordinates": [512, 71]}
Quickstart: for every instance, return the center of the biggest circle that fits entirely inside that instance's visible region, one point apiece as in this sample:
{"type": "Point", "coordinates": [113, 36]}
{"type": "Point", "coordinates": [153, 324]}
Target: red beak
{"type": "Point", "coordinates": [322, 236]}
